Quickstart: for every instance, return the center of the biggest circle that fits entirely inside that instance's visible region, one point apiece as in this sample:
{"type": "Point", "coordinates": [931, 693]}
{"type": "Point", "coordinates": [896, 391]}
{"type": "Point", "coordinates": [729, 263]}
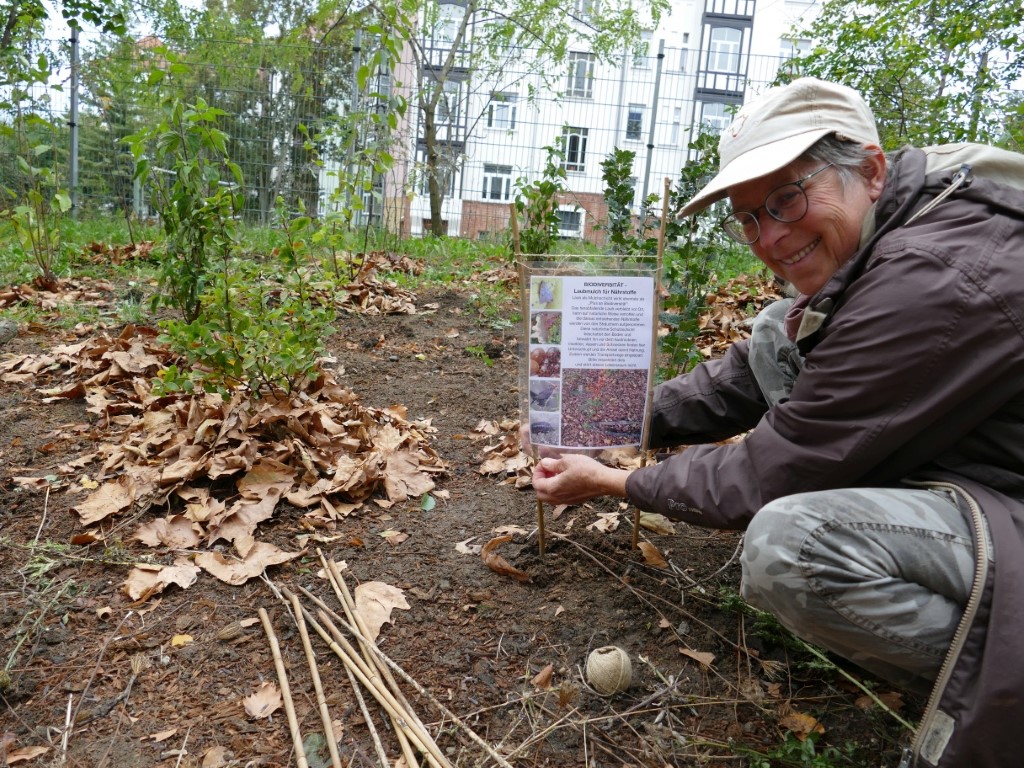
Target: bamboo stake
{"type": "Point", "coordinates": [286, 694]}
{"type": "Point", "coordinates": [314, 670]}
{"type": "Point", "coordinates": [514, 221]}
{"type": "Point", "coordinates": [342, 593]}
{"type": "Point", "coordinates": [424, 692]}
{"type": "Point", "coordinates": [541, 536]}
{"type": "Point", "coordinates": [644, 451]}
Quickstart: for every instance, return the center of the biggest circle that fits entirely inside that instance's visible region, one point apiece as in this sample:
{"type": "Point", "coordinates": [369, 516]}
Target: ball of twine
{"type": "Point", "coordinates": [609, 670]}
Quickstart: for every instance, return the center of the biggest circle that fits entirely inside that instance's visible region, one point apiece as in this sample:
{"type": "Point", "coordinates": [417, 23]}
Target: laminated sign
{"type": "Point", "coordinates": [591, 343]}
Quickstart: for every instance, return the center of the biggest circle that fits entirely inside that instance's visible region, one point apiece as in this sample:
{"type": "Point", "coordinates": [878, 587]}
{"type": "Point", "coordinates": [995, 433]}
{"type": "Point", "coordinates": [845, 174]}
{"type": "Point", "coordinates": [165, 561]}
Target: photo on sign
{"type": "Point", "coordinates": [544, 428]}
{"type": "Point", "coordinates": [603, 406]}
{"type": "Point", "coordinates": [545, 395]}
{"type": "Point", "coordinates": [546, 328]}
{"type": "Point", "coordinates": [545, 362]}
{"type": "Point", "coordinates": [546, 293]}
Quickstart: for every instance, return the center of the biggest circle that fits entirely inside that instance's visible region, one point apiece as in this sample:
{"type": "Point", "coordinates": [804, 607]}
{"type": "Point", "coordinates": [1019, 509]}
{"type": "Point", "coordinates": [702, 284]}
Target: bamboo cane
{"type": "Point", "coordinates": [314, 670]}
{"type": "Point", "coordinates": [342, 593]}
{"type": "Point", "coordinates": [286, 694]}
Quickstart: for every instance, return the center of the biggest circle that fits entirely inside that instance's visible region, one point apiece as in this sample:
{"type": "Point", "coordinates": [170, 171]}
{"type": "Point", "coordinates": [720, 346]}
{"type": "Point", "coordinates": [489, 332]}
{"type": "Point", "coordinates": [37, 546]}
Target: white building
{"type": "Point", "coordinates": [703, 60]}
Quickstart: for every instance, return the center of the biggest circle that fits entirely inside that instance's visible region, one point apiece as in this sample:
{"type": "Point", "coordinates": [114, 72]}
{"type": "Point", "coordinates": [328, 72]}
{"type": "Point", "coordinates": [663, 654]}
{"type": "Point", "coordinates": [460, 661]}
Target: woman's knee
{"type": "Point", "coordinates": [771, 549]}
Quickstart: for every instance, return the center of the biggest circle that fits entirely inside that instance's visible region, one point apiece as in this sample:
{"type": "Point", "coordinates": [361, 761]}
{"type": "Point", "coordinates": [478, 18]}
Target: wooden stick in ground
{"type": "Point", "coordinates": [345, 598]}
{"type": "Point", "coordinates": [645, 440]}
{"type": "Point", "coordinates": [424, 692]}
{"type": "Point", "coordinates": [513, 219]}
{"type": "Point", "coordinates": [541, 536]}
{"type": "Point", "coordinates": [286, 694]}
{"type": "Point", "coordinates": [314, 671]}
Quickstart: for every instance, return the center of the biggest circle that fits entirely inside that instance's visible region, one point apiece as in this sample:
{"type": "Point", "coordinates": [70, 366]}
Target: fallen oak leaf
{"type": "Point", "coordinates": [802, 725]}
{"type": "Point", "coordinates": [702, 657]}
{"type": "Point", "coordinates": [146, 580]}
{"type": "Point", "coordinates": [542, 680]}
{"type": "Point", "coordinates": [264, 701]}
{"type": "Point", "coordinates": [25, 753]}
{"type": "Point", "coordinates": [374, 602]}
{"type": "Point", "coordinates": [499, 564]}
{"type": "Point", "coordinates": [236, 572]}
{"type": "Point", "coordinates": [651, 555]}
{"type": "Point", "coordinates": [109, 499]}
{"type": "Point", "coordinates": [656, 523]}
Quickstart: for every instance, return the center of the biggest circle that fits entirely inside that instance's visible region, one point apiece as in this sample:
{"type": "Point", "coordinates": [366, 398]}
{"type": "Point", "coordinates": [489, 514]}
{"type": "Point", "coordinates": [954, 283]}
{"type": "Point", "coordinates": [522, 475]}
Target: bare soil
{"type": "Point", "coordinates": [93, 679]}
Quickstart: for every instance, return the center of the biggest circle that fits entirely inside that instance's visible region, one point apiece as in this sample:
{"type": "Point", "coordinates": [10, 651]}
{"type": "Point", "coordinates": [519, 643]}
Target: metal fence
{"type": "Point", "coordinates": [285, 114]}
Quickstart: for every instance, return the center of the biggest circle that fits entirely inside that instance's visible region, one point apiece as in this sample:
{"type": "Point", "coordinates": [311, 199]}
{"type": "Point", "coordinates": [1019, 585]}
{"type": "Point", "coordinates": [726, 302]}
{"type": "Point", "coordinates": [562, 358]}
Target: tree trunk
{"type": "Point", "coordinates": [434, 170]}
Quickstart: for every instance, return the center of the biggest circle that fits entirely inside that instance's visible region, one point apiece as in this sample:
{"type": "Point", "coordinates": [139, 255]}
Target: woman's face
{"type": "Point", "coordinates": [807, 252]}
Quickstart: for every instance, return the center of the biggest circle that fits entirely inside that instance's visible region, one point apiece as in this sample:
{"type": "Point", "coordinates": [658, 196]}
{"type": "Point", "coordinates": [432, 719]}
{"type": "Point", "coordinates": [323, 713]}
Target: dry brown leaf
{"type": "Point", "coordinates": [802, 725]}
{"type": "Point", "coordinates": [465, 548]}
{"type": "Point", "coordinates": [162, 735]}
{"type": "Point", "coordinates": [542, 680]}
{"type": "Point", "coordinates": [109, 499]}
{"type": "Point", "coordinates": [146, 580]}
{"type": "Point", "coordinates": [215, 757]}
{"type": "Point", "coordinates": [651, 555]}
{"type": "Point", "coordinates": [264, 701]}
{"type": "Point", "coordinates": [499, 564]}
{"type": "Point", "coordinates": [374, 601]}
{"type": "Point", "coordinates": [174, 531]}
{"type": "Point", "coordinates": [606, 522]}
{"type": "Point", "coordinates": [892, 699]}
{"type": "Point", "coordinates": [403, 478]}
{"type": "Point", "coordinates": [703, 657]}
{"type": "Point", "coordinates": [394, 538]}
{"type": "Point", "coordinates": [657, 523]}
{"type": "Point", "coordinates": [231, 571]}
{"type": "Point", "coordinates": [25, 753]}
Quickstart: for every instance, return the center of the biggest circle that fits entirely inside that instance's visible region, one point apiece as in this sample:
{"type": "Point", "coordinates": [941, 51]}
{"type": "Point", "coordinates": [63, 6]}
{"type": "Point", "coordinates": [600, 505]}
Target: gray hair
{"type": "Point", "coordinates": [849, 158]}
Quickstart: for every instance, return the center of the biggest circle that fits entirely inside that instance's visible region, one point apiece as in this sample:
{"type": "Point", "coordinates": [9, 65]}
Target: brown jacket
{"type": "Point", "coordinates": [917, 373]}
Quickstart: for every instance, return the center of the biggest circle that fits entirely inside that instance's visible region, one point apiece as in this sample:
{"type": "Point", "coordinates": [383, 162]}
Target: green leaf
{"type": "Point", "coordinates": [427, 502]}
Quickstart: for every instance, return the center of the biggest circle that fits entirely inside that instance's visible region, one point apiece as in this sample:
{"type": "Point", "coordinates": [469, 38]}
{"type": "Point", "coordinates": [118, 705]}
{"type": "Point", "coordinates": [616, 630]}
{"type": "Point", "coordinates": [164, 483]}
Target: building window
{"type": "Point", "coordinates": [581, 75]}
{"type": "Point", "coordinates": [501, 112]}
{"type": "Point", "coordinates": [449, 105]}
{"type": "Point", "coordinates": [574, 148]}
{"type": "Point", "coordinates": [716, 115]}
{"type": "Point", "coordinates": [677, 125]}
{"type": "Point", "coordinates": [634, 122]}
{"type": "Point", "coordinates": [497, 182]}
{"type": "Point", "coordinates": [584, 10]}
{"type": "Point", "coordinates": [642, 51]}
{"type": "Point", "coordinates": [790, 48]}
{"type": "Point", "coordinates": [446, 168]}
{"type": "Point", "coordinates": [724, 50]}
{"type": "Point", "coordinates": [684, 53]}
{"type": "Point", "coordinates": [570, 223]}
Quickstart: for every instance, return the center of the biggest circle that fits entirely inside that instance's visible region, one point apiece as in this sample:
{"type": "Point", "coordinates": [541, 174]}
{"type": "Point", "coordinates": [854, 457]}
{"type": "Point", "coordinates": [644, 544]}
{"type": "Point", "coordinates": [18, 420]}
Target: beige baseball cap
{"type": "Point", "coordinates": [775, 128]}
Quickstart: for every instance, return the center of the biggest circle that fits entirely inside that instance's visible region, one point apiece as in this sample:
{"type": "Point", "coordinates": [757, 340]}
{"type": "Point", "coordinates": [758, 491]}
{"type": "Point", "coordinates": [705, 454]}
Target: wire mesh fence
{"type": "Point", "coordinates": [291, 112]}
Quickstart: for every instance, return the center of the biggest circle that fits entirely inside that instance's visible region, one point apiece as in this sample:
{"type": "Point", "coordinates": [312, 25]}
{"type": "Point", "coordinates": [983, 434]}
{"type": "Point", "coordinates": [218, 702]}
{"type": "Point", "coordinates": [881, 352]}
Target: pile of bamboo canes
{"type": "Point", "coordinates": [368, 669]}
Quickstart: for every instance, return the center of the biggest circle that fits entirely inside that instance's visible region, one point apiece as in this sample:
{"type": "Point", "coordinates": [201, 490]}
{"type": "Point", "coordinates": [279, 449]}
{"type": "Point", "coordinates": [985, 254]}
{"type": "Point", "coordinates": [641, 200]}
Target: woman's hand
{"type": "Point", "coordinates": [573, 479]}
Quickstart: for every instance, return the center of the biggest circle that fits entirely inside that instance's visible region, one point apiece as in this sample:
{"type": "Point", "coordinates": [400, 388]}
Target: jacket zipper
{"type": "Point", "coordinates": [910, 755]}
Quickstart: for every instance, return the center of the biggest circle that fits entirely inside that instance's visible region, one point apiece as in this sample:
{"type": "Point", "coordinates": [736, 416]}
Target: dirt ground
{"type": "Point", "coordinates": [95, 679]}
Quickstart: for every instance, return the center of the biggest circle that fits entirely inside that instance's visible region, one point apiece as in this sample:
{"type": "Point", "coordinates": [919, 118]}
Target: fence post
{"type": "Point", "coordinates": [654, 118]}
{"type": "Point", "coordinates": [73, 159]}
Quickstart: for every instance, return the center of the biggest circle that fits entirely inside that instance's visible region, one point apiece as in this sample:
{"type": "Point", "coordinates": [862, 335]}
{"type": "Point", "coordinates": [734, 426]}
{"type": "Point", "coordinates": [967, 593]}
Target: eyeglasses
{"type": "Point", "coordinates": [786, 203]}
